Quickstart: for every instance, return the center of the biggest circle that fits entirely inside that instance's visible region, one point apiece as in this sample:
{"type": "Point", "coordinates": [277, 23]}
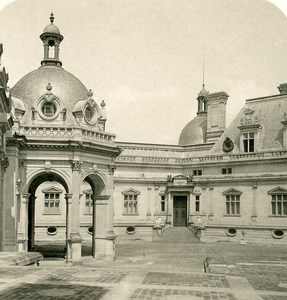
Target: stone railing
{"type": "Point", "coordinates": [66, 132]}
{"type": "Point", "coordinates": [202, 159]}
{"type": "Point", "coordinates": [246, 156]}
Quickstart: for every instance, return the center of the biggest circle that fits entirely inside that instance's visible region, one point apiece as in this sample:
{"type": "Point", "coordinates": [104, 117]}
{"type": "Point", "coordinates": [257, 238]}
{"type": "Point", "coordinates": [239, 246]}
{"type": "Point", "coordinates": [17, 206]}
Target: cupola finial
{"type": "Point", "coordinates": [52, 18]}
{"type": "Point", "coordinates": [51, 38]}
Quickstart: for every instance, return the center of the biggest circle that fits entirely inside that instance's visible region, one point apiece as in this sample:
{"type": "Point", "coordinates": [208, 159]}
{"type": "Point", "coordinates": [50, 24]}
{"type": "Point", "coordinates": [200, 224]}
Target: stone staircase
{"type": "Point", "coordinates": [176, 235]}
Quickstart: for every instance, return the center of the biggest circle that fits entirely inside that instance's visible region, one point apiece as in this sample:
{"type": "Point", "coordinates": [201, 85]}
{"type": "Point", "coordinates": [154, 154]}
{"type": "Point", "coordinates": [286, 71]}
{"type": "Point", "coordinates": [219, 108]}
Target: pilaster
{"type": "Point", "coordinates": [254, 204]}
{"type": "Point", "coordinates": [23, 225]}
{"type": "Point", "coordinates": [74, 237]}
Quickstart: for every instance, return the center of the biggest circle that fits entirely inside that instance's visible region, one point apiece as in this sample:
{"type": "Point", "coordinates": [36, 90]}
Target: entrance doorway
{"type": "Point", "coordinates": [179, 211]}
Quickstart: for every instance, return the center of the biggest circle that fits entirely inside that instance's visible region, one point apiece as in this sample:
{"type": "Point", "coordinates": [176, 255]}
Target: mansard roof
{"type": "Point", "coordinates": [267, 116]}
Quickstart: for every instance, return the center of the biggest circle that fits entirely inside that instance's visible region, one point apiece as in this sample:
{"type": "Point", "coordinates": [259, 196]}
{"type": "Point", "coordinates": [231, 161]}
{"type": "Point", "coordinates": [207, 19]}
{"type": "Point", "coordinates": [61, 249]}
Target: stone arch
{"type": "Point", "coordinates": [102, 214]}
{"type": "Point", "coordinates": [97, 181]}
{"type": "Point", "coordinates": [43, 176]}
{"type": "Point", "coordinates": [27, 220]}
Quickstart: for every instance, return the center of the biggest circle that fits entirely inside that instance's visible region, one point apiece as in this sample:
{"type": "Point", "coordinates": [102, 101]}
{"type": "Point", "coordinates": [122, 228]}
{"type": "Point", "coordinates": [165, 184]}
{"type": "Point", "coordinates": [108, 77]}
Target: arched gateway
{"type": "Point", "coordinates": [58, 136]}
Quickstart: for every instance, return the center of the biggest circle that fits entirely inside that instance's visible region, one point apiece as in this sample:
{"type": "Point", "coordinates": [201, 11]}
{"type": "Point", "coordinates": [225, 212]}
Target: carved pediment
{"type": "Point", "coordinates": [231, 192]}
{"type": "Point", "coordinates": [52, 190]}
{"type": "Point", "coordinates": [278, 190]}
{"type": "Point", "coordinates": [131, 192]}
{"type": "Point", "coordinates": [88, 191]}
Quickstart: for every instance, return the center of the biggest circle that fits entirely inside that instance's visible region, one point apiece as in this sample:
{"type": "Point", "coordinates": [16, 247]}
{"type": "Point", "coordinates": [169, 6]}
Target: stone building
{"type": "Point", "coordinates": [5, 125]}
{"type": "Point", "coordinates": [58, 141]}
{"type": "Point", "coordinates": [226, 183]}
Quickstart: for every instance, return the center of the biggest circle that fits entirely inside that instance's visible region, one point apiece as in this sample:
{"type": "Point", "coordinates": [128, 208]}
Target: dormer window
{"type": "Point", "coordinates": [49, 109]}
{"type": "Point", "coordinates": [250, 130]}
{"type": "Point", "coordinates": [89, 113]}
{"type": "Point", "coordinates": [48, 106]}
{"type": "Point", "coordinates": [248, 141]}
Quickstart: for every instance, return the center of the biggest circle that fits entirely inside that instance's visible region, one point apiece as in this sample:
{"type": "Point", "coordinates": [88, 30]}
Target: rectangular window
{"type": "Point", "coordinates": [248, 142]}
{"type": "Point", "coordinates": [233, 205]}
{"type": "Point", "coordinates": [162, 204]}
{"type": "Point", "coordinates": [88, 204]}
{"type": "Point", "coordinates": [52, 203]}
{"type": "Point", "coordinates": [197, 172]}
{"type": "Point", "coordinates": [197, 203]}
{"type": "Point", "coordinates": [130, 204]}
{"type": "Point", "coordinates": [279, 204]}
{"type": "Point", "coordinates": [226, 171]}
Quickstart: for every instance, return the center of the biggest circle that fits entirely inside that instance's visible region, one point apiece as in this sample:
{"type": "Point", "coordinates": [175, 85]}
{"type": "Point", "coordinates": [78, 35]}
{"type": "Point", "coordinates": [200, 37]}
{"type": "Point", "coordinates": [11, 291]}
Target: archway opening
{"type": "Point", "coordinates": [92, 186]}
{"type": "Point", "coordinates": [47, 216]}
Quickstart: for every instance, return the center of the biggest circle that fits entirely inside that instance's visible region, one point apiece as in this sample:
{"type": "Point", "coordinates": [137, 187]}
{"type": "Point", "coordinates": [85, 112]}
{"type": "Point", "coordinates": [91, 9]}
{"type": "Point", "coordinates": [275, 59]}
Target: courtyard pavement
{"type": "Point", "coordinates": [155, 270]}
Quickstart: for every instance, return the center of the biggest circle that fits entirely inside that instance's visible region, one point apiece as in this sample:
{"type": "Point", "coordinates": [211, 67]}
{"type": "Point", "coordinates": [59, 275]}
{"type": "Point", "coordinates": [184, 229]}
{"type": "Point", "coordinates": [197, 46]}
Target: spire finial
{"type": "Point", "coordinates": [52, 18]}
{"type": "Point", "coordinates": [203, 83]}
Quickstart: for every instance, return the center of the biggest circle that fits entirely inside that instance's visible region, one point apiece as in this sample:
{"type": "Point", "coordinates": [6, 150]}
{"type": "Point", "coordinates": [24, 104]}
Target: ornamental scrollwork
{"type": "Point", "coordinates": [228, 145]}
{"type": "Point", "coordinates": [4, 162]}
{"type": "Point", "coordinates": [111, 169]}
{"type": "Point", "coordinates": [76, 165]}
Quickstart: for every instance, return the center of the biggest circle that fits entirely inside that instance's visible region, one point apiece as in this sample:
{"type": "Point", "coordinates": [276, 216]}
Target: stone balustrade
{"type": "Point", "coordinates": [66, 132]}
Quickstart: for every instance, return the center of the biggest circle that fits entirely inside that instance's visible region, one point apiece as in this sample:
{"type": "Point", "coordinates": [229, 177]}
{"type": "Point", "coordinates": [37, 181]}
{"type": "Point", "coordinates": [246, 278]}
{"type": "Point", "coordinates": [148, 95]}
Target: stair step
{"type": "Point", "coordinates": [177, 235]}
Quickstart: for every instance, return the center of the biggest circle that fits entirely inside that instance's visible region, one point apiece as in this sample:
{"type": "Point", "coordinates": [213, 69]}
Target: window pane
{"type": "Point", "coordinates": [245, 145]}
{"type": "Point", "coordinates": [237, 208]}
{"type": "Point", "coordinates": [163, 206]}
{"type": "Point", "coordinates": [197, 206]}
{"type": "Point", "coordinates": [284, 208]}
{"type": "Point", "coordinates": [273, 204]}
{"type": "Point", "coordinates": [279, 208]}
{"type": "Point", "coordinates": [227, 208]}
{"type": "Point", "coordinates": [232, 208]}
{"type": "Point", "coordinates": [251, 145]}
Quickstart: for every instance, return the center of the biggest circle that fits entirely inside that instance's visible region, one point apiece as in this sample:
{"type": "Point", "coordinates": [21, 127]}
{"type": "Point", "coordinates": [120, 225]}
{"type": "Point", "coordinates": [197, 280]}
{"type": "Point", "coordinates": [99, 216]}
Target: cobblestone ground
{"type": "Point", "coordinates": [146, 270]}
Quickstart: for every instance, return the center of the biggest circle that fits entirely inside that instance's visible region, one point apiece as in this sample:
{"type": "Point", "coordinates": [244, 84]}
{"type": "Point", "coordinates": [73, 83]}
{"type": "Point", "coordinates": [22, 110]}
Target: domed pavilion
{"type": "Point", "coordinates": [58, 137]}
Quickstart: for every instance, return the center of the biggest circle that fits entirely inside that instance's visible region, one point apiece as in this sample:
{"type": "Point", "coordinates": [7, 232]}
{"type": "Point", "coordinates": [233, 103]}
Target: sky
{"type": "Point", "coordinates": [145, 57]}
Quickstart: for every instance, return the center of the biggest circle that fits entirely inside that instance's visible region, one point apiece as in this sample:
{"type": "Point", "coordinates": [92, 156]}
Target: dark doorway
{"type": "Point", "coordinates": [179, 211]}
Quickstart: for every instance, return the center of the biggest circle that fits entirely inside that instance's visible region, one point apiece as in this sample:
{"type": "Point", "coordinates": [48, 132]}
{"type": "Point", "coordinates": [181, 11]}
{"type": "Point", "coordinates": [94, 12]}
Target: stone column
{"type": "Point", "coordinates": [32, 200]}
{"type": "Point", "coordinates": [23, 226]}
{"type": "Point", "coordinates": [2, 207]}
{"type": "Point", "coordinates": [157, 201]}
{"type": "Point", "coordinates": [148, 214]}
{"type": "Point", "coordinates": [111, 236]}
{"type": "Point", "coordinates": [75, 239]}
{"type": "Point", "coordinates": [68, 198]}
{"type": "Point", "coordinates": [254, 204]}
{"type": "Point", "coordinates": [169, 209]}
{"type": "Point", "coordinates": [191, 207]}
{"type": "Point", "coordinates": [210, 210]}
{"type": "Point", "coordinates": [100, 237]}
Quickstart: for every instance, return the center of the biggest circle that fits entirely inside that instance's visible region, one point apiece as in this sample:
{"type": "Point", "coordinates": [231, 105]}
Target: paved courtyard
{"type": "Point", "coordinates": [156, 270]}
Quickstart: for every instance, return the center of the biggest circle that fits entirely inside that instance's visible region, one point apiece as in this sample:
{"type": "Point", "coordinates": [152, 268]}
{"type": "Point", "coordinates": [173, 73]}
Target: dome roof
{"type": "Point", "coordinates": [51, 28]}
{"type": "Point", "coordinates": [194, 132]}
{"type": "Point", "coordinates": [65, 86]}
